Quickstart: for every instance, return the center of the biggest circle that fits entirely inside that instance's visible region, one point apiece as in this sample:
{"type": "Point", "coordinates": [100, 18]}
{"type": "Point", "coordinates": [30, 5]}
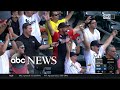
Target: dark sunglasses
{"type": "Point", "coordinates": [56, 14]}
{"type": "Point", "coordinates": [22, 47]}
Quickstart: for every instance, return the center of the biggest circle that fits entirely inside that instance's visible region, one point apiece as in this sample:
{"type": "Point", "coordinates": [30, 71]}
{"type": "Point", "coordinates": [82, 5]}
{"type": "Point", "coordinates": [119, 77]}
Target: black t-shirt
{"type": "Point", "coordinates": [31, 45]}
{"type": "Point", "coordinates": [62, 48]}
{"type": "Point", "coordinates": [111, 64]}
{"type": "Point", "coordinates": [15, 26]}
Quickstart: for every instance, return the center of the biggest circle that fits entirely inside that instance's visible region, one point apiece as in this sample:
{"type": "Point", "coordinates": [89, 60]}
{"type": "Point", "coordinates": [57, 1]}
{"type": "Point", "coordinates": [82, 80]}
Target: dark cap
{"type": "Point", "coordinates": [62, 25]}
{"type": "Point", "coordinates": [72, 54]}
{"type": "Point", "coordinates": [95, 43]}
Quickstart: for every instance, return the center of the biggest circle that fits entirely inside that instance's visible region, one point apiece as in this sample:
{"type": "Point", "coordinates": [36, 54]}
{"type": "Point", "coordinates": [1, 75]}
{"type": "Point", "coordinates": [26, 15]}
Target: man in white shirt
{"type": "Point", "coordinates": [6, 54]}
{"type": "Point", "coordinates": [93, 50]}
{"type": "Point", "coordinates": [71, 64]}
{"type": "Point", "coordinates": [33, 19]}
{"type": "Point", "coordinates": [91, 33]}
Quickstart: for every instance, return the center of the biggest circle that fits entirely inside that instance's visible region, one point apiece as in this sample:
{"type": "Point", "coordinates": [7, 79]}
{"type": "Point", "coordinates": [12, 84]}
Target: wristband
{"type": "Point", "coordinates": [12, 39]}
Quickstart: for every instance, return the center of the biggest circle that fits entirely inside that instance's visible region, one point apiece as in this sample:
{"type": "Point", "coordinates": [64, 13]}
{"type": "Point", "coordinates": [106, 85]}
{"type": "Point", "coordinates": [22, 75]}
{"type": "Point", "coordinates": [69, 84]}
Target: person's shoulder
{"type": "Point", "coordinates": [19, 38]}
{"type": "Point", "coordinates": [32, 37]}
{"type": "Point", "coordinates": [68, 61]}
{"type": "Point", "coordinates": [77, 63]}
{"type": "Point", "coordinates": [86, 30]}
{"type": "Point", "coordinates": [22, 16]}
{"type": "Point", "coordinates": [96, 30]}
{"type": "Point", "coordinates": [15, 55]}
{"type": "Point", "coordinates": [61, 20]}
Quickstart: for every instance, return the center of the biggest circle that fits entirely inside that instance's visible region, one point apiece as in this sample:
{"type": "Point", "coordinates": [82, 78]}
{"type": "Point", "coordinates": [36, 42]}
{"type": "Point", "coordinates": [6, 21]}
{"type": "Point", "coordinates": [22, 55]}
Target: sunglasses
{"type": "Point", "coordinates": [56, 14]}
{"type": "Point", "coordinates": [22, 47]}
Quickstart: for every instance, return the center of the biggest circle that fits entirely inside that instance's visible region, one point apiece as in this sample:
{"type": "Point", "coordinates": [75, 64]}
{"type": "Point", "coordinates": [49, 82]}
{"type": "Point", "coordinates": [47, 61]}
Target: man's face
{"type": "Point", "coordinates": [21, 49]}
{"type": "Point", "coordinates": [65, 30]}
{"type": "Point", "coordinates": [95, 48]}
{"type": "Point", "coordinates": [112, 52]}
{"type": "Point", "coordinates": [55, 15]}
{"type": "Point", "coordinates": [15, 14]}
{"type": "Point", "coordinates": [29, 13]}
{"type": "Point", "coordinates": [74, 57]}
{"type": "Point", "coordinates": [28, 30]}
{"type": "Point", "coordinates": [93, 24]}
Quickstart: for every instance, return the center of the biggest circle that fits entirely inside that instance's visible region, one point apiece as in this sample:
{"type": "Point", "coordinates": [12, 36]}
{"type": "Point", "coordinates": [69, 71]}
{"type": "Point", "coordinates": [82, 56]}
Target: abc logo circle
{"type": "Point", "coordinates": [17, 60]}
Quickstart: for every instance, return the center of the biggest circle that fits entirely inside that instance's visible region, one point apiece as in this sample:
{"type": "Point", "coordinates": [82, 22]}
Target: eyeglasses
{"type": "Point", "coordinates": [56, 14]}
{"type": "Point", "coordinates": [113, 51]}
{"type": "Point", "coordinates": [22, 47]}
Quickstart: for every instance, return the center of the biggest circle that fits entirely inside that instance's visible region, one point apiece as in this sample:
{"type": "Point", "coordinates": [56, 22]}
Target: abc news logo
{"type": "Point", "coordinates": [38, 60]}
{"type": "Point", "coordinates": [108, 16]}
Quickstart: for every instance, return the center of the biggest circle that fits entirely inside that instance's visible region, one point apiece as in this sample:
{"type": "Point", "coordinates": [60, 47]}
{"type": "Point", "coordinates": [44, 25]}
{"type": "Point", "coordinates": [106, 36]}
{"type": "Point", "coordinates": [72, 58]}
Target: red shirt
{"type": "Point", "coordinates": [55, 38]}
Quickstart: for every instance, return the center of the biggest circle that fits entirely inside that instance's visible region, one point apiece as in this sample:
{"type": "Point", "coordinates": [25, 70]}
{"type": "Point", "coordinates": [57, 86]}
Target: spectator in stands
{"type": "Point", "coordinates": [31, 45]}
{"type": "Point", "coordinates": [110, 56]}
{"type": "Point", "coordinates": [91, 34]}
{"type": "Point", "coordinates": [71, 64]}
{"type": "Point", "coordinates": [33, 19]}
{"type": "Point", "coordinates": [54, 22]}
{"type": "Point", "coordinates": [5, 54]}
{"type": "Point", "coordinates": [60, 51]}
{"type": "Point", "coordinates": [14, 24]}
{"type": "Point", "coordinates": [19, 68]}
{"type": "Point", "coordinates": [94, 50]}
{"type": "Point", "coordinates": [3, 30]}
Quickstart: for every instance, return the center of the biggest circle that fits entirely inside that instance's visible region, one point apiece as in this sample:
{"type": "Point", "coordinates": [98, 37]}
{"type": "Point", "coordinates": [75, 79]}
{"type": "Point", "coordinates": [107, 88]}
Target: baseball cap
{"type": "Point", "coordinates": [62, 25]}
{"type": "Point", "coordinates": [72, 54]}
{"type": "Point", "coordinates": [95, 43]}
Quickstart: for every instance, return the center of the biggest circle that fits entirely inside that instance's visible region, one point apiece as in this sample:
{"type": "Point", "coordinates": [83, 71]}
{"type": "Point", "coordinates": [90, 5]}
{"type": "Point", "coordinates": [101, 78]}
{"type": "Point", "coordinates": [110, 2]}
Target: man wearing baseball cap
{"type": "Point", "coordinates": [95, 50]}
{"type": "Point", "coordinates": [71, 64]}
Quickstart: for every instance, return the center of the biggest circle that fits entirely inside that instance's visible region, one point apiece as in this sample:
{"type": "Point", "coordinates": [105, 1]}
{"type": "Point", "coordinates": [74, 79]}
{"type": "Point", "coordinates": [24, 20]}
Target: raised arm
{"type": "Point", "coordinates": [12, 32]}
{"type": "Point", "coordinates": [85, 42]}
{"type": "Point", "coordinates": [109, 40]}
{"type": "Point", "coordinates": [14, 46]}
{"type": "Point", "coordinates": [68, 50]}
{"type": "Point", "coordinates": [42, 47]}
{"type": "Point", "coordinates": [78, 46]}
{"type": "Point", "coordinates": [2, 51]}
{"type": "Point", "coordinates": [83, 23]}
{"type": "Point", "coordinates": [47, 18]}
{"type": "Point", "coordinates": [69, 16]}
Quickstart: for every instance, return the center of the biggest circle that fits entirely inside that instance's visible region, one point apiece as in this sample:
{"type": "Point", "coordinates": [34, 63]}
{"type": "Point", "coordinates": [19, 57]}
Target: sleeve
{"type": "Point", "coordinates": [21, 22]}
{"type": "Point", "coordinates": [54, 26]}
{"type": "Point", "coordinates": [70, 33]}
{"type": "Point", "coordinates": [8, 53]}
{"type": "Point", "coordinates": [101, 51]}
{"type": "Point", "coordinates": [37, 17]}
{"type": "Point", "coordinates": [55, 37]}
{"type": "Point", "coordinates": [62, 20]}
{"type": "Point", "coordinates": [98, 35]}
{"type": "Point", "coordinates": [37, 44]}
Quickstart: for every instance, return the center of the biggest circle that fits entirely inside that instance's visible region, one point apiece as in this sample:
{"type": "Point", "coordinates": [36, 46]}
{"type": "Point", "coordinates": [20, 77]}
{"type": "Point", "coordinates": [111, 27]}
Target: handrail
{"type": "Point", "coordinates": [107, 33]}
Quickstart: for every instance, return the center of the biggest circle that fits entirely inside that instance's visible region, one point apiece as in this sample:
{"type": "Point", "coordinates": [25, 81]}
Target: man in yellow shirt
{"type": "Point", "coordinates": [54, 21]}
